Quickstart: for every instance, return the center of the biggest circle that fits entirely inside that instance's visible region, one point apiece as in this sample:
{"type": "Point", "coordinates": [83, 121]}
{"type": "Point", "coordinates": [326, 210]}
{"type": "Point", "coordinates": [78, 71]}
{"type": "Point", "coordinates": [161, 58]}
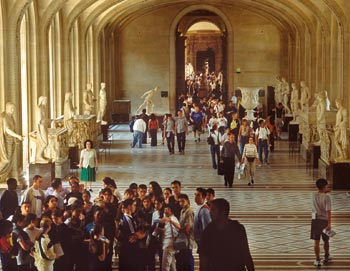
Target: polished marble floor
{"type": "Point", "coordinates": [276, 211]}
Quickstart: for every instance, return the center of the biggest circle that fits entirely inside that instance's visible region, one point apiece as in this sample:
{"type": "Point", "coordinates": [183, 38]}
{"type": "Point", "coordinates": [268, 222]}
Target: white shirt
{"type": "Point", "coordinates": [263, 133]}
{"type": "Point", "coordinates": [88, 157]}
{"type": "Point", "coordinates": [168, 232]}
{"type": "Point", "coordinates": [139, 125]}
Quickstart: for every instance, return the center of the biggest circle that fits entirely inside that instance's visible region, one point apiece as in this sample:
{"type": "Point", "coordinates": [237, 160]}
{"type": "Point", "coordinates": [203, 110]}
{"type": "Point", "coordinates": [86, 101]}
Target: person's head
{"type": "Point", "coordinates": [176, 187]}
{"type": "Point", "coordinates": [74, 187]}
{"type": "Point", "coordinates": [6, 228]}
{"type": "Point", "coordinates": [73, 179]}
{"type": "Point", "coordinates": [228, 130]}
{"type": "Point", "coordinates": [10, 108]}
{"type": "Point", "coordinates": [88, 144]}
{"type": "Point", "coordinates": [142, 191]}
{"type": "Point", "coordinates": [280, 105]}
{"type": "Point", "coordinates": [32, 220]}
{"type": "Point", "coordinates": [338, 102]}
{"type": "Point", "coordinates": [232, 138]}
{"type": "Point", "coordinates": [168, 211]}
{"type": "Point", "coordinates": [57, 184]}
{"type": "Point", "coordinates": [57, 217]}
{"type": "Point", "coordinates": [11, 184]}
{"type": "Point", "coordinates": [199, 195]}
{"type": "Point", "coordinates": [244, 122]}
{"type": "Point", "coordinates": [109, 182]}
{"type": "Point", "coordinates": [251, 140]}
{"type": "Point", "coordinates": [45, 224]}
{"type": "Point", "coordinates": [37, 181]}
{"type": "Point", "coordinates": [210, 194]}
{"type": "Point", "coordinates": [167, 192]}
{"type": "Point", "coordinates": [25, 208]}
{"type": "Point", "coordinates": [219, 209]}
{"type": "Point", "coordinates": [134, 187]}
{"type": "Point", "coordinates": [86, 196]}
{"type": "Point", "coordinates": [106, 195]}
{"type": "Point", "coordinates": [152, 116]}
{"type": "Point", "coordinates": [322, 185]}
{"type": "Point", "coordinates": [129, 206]}
{"type": "Point", "coordinates": [19, 220]}
{"type": "Point", "coordinates": [146, 203]}
{"type": "Point", "coordinates": [98, 215]}
{"type": "Point", "coordinates": [262, 123]}
{"type": "Point", "coordinates": [50, 202]}
{"type": "Point", "coordinates": [144, 111]}
{"type": "Point", "coordinates": [235, 115]}
{"type": "Point", "coordinates": [155, 188]}
{"type": "Point", "coordinates": [179, 114]}
{"type": "Point", "coordinates": [184, 201]}
{"type": "Point", "coordinates": [158, 203]}
{"type": "Point", "coordinates": [128, 194]}
{"type": "Point", "coordinates": [214, 127]}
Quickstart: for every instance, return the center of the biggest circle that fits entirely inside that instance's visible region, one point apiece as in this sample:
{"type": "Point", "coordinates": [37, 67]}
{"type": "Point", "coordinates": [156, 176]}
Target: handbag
{"type": "Point", "coordinates": [181, 241]}
{"type": "Point", "coordinates": [210, 140]}
{"type": "Point", "coordinates": [221, 169]}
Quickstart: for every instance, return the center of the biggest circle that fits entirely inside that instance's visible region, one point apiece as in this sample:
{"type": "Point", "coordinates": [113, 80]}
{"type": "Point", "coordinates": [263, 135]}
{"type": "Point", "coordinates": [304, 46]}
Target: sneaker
{"type": "Point", "coordinates": [252, 181]}
{"type": "Point", "coordinates": [317, 263]}
{"type": "Point", "coordinates": [327, 259]}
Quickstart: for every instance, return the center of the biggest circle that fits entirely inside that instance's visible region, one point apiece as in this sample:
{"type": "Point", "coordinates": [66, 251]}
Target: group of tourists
{"type": "Point", "coordinates": [64, 229]}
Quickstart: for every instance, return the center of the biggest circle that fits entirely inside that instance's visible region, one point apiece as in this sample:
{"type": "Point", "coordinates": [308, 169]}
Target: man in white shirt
{"type": "Point", "coordinates": [139, 128]}
{"type": "Point", "coordinates": [35, 196]}
{"type": "Point", "coordinates": [262, 140]}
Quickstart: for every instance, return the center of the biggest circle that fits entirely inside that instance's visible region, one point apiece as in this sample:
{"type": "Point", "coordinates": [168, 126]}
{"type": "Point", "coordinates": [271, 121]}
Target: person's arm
{"type": "Point", "coordinates": [102, 256]}
{"type": "Point", "coordinates": [81, 159]}
{"type": "Point", "coordinates": [329, 217]}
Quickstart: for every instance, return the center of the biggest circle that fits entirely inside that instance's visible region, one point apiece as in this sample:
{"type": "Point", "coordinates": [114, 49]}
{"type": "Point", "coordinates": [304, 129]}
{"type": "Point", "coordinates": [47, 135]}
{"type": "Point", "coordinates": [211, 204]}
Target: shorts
{"type": "Point", "coordinates": [197, 126]}
{"type": "Point", "coordinates": [317, 226]}
{"type": "Point", "coordinates": [279, 123]}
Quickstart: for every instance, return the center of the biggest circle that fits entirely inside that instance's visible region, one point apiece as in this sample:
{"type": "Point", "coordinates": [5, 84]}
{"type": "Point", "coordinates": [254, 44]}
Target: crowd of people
{"type": "Point", "coordinates": [65, 229]}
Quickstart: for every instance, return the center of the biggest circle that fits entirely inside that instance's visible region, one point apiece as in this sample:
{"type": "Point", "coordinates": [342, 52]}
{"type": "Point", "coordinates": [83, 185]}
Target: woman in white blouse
{"type": "Point", "coordinates": [88, 164]}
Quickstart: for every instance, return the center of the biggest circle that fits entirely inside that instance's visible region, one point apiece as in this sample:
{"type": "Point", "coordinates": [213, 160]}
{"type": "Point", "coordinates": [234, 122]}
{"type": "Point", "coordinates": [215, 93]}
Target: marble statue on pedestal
{"type": "Point", "coordinates": [189, 70]}
{"type": "Point", "coordinates": [340, 132]}
{"type": "Point", "coordinates": [102, 103]}
{"type": "Point", "coordinates": [304, 96]}
{"type": "Point", "coordinates": [278, 91]}
{"type": "Point", "coordinates": [88, 100]}
{"type": "Point", "coordinates": [285, 92]}
{"type": "Point", "coordinates": [320, 115]}
{"type": "Point", "coordinates": [68, 116]}
{"type": "Point", "coordinates": [42, 154]}
{"type": "Point", "coordinates": [294, 101]}
{"type": "Point", "coordinates": [148, 100]}
{"type": "Point", "coordinates": [8, 140]}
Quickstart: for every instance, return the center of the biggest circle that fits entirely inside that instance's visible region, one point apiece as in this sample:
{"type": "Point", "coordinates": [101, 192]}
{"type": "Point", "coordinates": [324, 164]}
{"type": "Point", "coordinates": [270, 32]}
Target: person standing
{"type": "Point", "coordinates": [215, 148]}
{"type": "Point", "coordinates": [250, 154]}
{"type": "Point", "coordinates": [9, 199]}
{"type": "Point", "coordinates": [181, 131]}
{"type": "Point", "coordinates": [139, 128]}
{"type": "Point", "coordinates": [224, 244]}
{"type": "Point", "coordinates": [262, 141]}
{"type": "Point", "coordinates": [321, 220]}
{"type": "Point", "coordinates": [88, 164]}
{"type": "Point", "coordinates": [243, 134]}
{"type": "Point", "coordinates": [197, 119]}
{"type": "Point", "coordinates": [35, 196]}
{"type": "Point", "coordinates": [145, 118]}
{"type": "Point", "coordinates": [153, 127]}
{"type": "Point", "coordinates": [228, 152]}
{"type": "Point", "coordinates": [169, 133]}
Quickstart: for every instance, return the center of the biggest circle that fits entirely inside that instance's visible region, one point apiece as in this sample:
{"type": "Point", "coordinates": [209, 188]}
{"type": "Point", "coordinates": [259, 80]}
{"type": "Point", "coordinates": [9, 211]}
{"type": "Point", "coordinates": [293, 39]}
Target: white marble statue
{"type": "Point", "coordinates": [340, 132]}
{"type": "Point", "coordinates": [285, 92]}
{"type": "Point", "coordinates": [278, 91]}
{"type": "Point", "coordinates": [304, 96]}
{"type": "Point", "coordinates": [220, 80]}
{"type": "Point", "coordinates": [250, 100]}
{"type": "Point", "coordinates": [294, 101]}
{"type": "Point", "coordinates": [8, 140]}
{"type": "Point", "coordinates": [320, 115]}
{"type": "Point", "coordinates": [102, 103]}
{"type": "Point", "coordinates": [88, 100]}
{"type": "Point", "coordinates": [328, 102]}
{"type": "Point", "coordinates": [189, 70]}
{"type": "Point", "coordinates": [68, 115]}
{"type": "Point", "coordinates": [42, 155]}
{"type": "Point", "coordinates": [148, 100]}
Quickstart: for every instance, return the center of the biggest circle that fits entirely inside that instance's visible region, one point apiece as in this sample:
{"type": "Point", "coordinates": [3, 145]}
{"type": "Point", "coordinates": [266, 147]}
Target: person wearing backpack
{"type": "Point", "coordinates": [262, 141]}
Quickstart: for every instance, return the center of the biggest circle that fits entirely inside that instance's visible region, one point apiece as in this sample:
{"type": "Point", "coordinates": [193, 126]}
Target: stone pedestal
{"type": "Point", "coordinates": [287, 118]}
{"type": "Point", "coordinates": [62, 169]}
{"type": "Point", "coordinates": [46, 171]}
{"type": "Point", "coordinates": [293, 131]}
{"type": "Point", "coordinates": [315, 155]}
{"type": "Point", "coordinates": [336, 173]}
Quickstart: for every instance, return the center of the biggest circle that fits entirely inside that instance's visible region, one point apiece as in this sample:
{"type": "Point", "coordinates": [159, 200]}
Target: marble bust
{"type": "Point", "coordinates": [294, 101]}
{"type": "Point", "coordinates": [102, 103]}
{"type": "Point", "coordinates": [41, 154]}
{"type": "Point", "coordinates": [148, 100]}
{"type": "Point", "coordinates": [340, 132]}
{"type": "Point", "coordinates": [8, 140]}
{"type": "Point", "coordinates": [88, 100]}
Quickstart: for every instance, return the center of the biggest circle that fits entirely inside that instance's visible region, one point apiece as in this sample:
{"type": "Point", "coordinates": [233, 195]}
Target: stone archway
{"type": "Point", "coordinates": [175, 40]}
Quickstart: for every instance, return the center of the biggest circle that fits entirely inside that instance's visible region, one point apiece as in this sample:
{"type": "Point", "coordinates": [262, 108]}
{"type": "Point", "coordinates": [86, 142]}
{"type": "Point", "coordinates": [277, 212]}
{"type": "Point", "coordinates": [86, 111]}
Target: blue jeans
{"type": "Point", "coordinates": [215, 151]}
{"type": "Point", "coordinates": [137, 138]}
{"type": "Point", "coordinates": [244, 140]}
{"type": "Point", "coordinates": [262, 144]}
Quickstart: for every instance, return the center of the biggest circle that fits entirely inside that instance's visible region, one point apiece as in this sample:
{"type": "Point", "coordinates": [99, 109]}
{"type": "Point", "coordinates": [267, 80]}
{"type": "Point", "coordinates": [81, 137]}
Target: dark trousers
{"type": "Point", "coordinates": [229, 167]}
{"type": "Point", "coordinates": [170, 139]}
{"type": "Point", "coordinates": [215, 151]}
{"type": "Point", "coordinates": [262, 145]}
{"type": "Point", "coordinates": [272, 142]}
{"type": "Point", "coordinates": [153, 133]}
{"type": "Point", "coordinates": [7, 262]}
{"type": "Point", "coordinates": [181, 140]}
{"type": "Point", "coordinates": [184, 260]}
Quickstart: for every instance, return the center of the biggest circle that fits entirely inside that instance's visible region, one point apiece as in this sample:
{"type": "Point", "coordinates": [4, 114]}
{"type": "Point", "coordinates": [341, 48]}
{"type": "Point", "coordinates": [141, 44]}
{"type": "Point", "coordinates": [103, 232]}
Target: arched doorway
{"type": "Point", "coordinates": [201, 53]}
